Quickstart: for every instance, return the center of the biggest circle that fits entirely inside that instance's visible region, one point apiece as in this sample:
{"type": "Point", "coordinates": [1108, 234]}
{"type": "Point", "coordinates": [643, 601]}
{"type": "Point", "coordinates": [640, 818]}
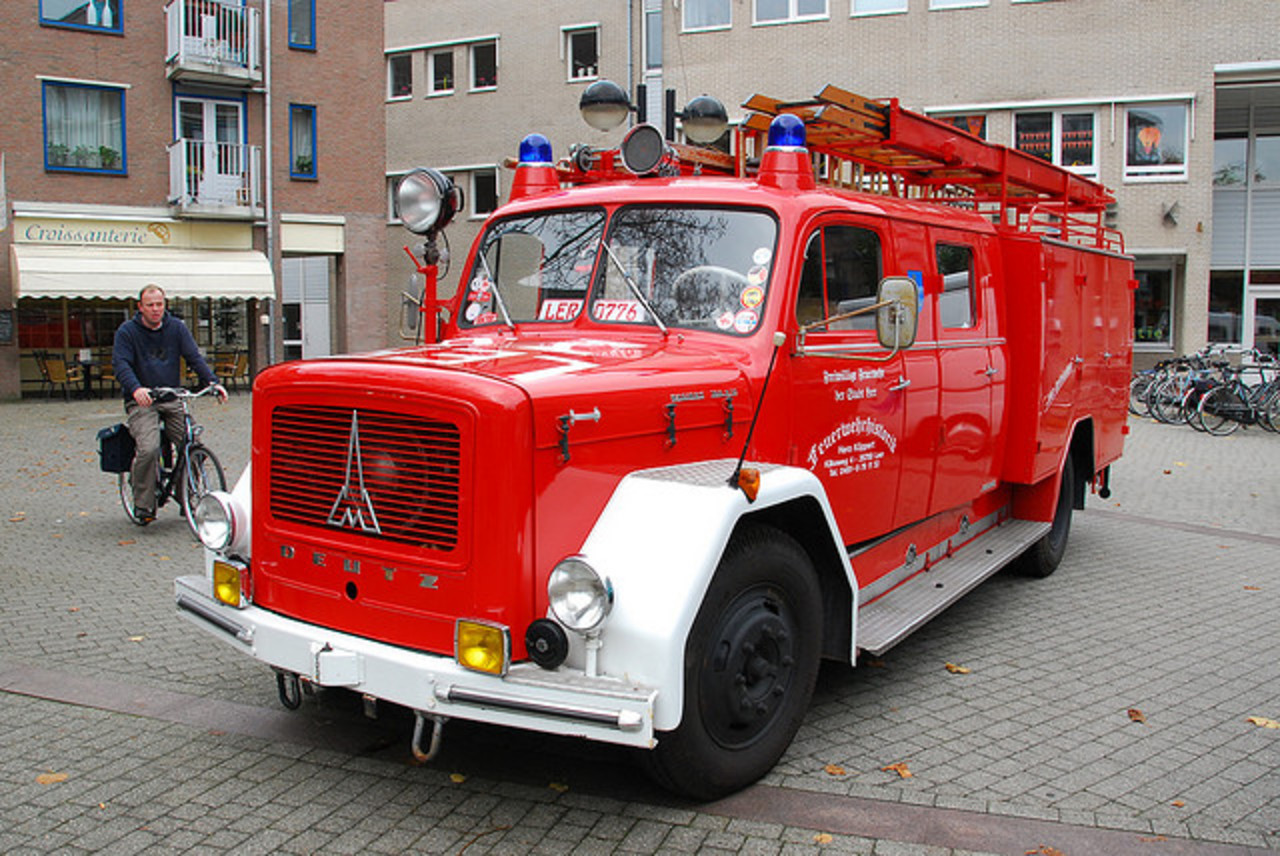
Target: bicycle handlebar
{"type": "Point", "coordinates": [168, 393]}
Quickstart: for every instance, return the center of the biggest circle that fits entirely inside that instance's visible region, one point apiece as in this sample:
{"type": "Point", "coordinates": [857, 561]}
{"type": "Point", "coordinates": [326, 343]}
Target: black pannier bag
{"type": "Point", "coordinates": [115, 448]}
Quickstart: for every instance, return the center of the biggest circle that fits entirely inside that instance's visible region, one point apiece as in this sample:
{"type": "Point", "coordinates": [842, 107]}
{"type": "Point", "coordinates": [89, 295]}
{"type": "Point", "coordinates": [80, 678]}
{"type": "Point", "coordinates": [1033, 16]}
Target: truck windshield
{"type": "Point", "coordinates": [701, 268]}
{"type": "Point", "coordinates": [533, 268]}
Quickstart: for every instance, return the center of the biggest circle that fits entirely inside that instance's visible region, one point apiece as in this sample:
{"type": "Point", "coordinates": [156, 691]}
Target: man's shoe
{"type": "Point", "coordinates": [144, 515]}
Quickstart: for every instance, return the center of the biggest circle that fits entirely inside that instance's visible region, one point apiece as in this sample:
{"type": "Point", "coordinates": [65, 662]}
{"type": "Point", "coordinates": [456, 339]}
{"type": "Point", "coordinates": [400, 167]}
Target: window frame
{"type": "Point", "coordinates": [311, 9]}
{"type": "Point", "coordinates": [472, 80]}
{"type": "Point", "coordinates": [1055, 137]}
{"type": "Point", "coordinates": [120, 91]}
{"type": "Point", "coordinates": [476, 213]}
{"type": "Point", "coordinates": [649, 39]}
{"type": "Point", "coordinates": [1157, 172]}
{"type": "Point", "coordinates": [793, 15]}
{"type": "Point", "coordinates": [391, 76]}
{"type": "Point", "coordinates": [567, 35]}
{"type": "Point", "coordinates": [854, 12]}
{"type": "Point", "coordinates": [117, 28]}
{"type": "Point", "coordinates": [314, 172]}
{"type": "Point", "coordinates": [726, 24]}
{"type": "Point", "coordinates": [432, 55]}
{"type": "Point", "coordinates": [944, 5]}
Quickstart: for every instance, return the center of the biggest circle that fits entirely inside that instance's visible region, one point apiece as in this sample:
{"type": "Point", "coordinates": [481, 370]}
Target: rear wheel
{"type": "Point", "coordinates": [202, 474]}
{"type": "Point", "coordinates": [750, 664]}
{"type": "Point", "coordinates": [1043, 557]}
{"type": "Point", "coordinates": [1218, 408]}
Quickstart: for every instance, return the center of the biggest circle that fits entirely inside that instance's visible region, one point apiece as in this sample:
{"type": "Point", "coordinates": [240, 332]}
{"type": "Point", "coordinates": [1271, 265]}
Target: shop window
{"type": "Point", "coordinates": [1230, 161]}
{"type": "Point", "coordinates": [484, 191]}
{"type": "Point", "coordinates": [652, 39]}
{"type": "Point", "coordinates": [1062, 138]}
{"type": "Point", "coordinates": [101, 15]}
{"type": "Point", "coordinates": [1155, 142]}
{"type": "Point", "coordinates": [302, 141]}
{"type": "Point", "coordinates": [706, 14]}
{"type": "Point", "coordinates": [400, 76]}
{"type": "Point", "coordinates": [975, 124]}
{"type": "Point", "coordinates": [302, 24]}
{"type": "Point", "coordinates": [440, 72]}
{"type": "Point", "coordinates": [955, 304]}
{"type": "Point", "coordinates": [1226, 306]}
{"type": "Point", "coordinates": [1153, 308]}
{"type": "Point", "coordinates": [484, 65]}
{"type": "Point", "coordinates": [84, 128]}
{"type": "Point", "coordinates": [877, 7]}
{"type": "Point", "coordinates": [785, 11]}
{"type": "Point", "coordinates": [582, 52]}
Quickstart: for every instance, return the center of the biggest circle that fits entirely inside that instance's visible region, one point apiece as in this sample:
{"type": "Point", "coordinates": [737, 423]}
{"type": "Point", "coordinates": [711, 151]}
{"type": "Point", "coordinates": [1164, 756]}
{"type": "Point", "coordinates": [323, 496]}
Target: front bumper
{"type": "Point", "coordinates": [557, 702]}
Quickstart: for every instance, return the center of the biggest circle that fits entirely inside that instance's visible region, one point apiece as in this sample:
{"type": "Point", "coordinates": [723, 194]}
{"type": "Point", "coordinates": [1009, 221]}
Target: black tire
{"type": "Point", "coordinates": [1219, 409]}
{"type": "Point", "coordinates": [1043, 557]}
{"type": "Point", "coordinates": [750, 665]}
{"type": "Point", "coordinates": [201, 474]}
{"type": "Point", "coordinates": [124, 482]}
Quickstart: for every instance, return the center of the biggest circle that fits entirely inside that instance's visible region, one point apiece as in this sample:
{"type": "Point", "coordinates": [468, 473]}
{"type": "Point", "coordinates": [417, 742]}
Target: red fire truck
{"type": "Point", "coordinates": [693, 422]}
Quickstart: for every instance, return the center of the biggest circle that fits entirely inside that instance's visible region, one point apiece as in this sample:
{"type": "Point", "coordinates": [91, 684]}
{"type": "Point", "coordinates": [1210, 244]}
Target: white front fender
{"type": "Point", "coordinates": [659, 541]}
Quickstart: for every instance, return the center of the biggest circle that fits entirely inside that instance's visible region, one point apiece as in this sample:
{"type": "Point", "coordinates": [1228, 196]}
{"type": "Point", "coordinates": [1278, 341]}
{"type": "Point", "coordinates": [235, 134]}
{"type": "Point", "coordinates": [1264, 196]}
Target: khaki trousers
{"type": "Point", "coordinates": [144, 425]}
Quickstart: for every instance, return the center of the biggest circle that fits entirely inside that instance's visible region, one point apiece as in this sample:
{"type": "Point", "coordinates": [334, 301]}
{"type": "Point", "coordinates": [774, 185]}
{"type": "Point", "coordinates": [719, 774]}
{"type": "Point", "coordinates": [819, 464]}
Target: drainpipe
{"type": "Point", "coordinates": [631, 59]}
{"type": "Point", "coordinates": [269, 176]}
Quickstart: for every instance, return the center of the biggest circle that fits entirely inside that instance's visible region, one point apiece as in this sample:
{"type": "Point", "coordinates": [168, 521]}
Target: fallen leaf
{"type": "Point", "coordinates": [1263, 722]}
{"type": "Point", "coordinates": [900, 768]}
{"type": "Point", "coordinates": [50, 778]}
{"type": "Point", "coordinates": [957, 670]}
{"type": "Point", "coordinates": [1045, 850]}
{"type": "Point", "coordinates": [558, 787]}
{"type": "Point", "coordinates": [875, 664]}
{"type": "Point", "coordinates": [73, 609]}
{"type": "Point", "coordinates": [1168, 472]}
{"type": "Point", "coordinates": [457, 778]}
{"type": "Point", "coordinates": [1177, 803]}
{"type": "Point", "coordinates": [823, 838]}
{"type": "Point", "coordinates": [1153, 838]}
{"type": "Point", "coordinates": [1179, 464]}
{"type": "Point", "coordinates": [1252, 588]}
{"type": "Point", "coordinates": [1137, 715]}
{"type": "Point", "coordinates": [834, 770]}
{"type": "Point", "coordinates": [126, 542]}
{"type": "Point", "coordinates": [102, 805]}
{"type": "Point", "coordinates": [136, 638]}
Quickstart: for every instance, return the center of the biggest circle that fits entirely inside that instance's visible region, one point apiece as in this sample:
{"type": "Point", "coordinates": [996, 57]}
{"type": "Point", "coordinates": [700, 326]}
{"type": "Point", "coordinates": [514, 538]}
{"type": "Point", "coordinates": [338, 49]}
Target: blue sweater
{"type": "Point", "coordinates": [147, 358]}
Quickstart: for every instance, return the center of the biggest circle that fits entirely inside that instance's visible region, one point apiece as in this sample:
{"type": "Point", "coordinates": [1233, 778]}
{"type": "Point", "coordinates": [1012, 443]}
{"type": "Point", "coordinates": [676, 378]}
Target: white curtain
{"type": "Point", "coordinates": [302, 134]}
{"type": "Point", "coordinates": [80, 122]}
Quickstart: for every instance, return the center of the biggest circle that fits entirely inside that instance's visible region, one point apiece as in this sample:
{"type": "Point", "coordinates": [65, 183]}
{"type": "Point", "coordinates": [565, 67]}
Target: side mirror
{"type": "Point", "coordinates": [899, 310]}
{"type": "Point", "coordinates": [411, 320]}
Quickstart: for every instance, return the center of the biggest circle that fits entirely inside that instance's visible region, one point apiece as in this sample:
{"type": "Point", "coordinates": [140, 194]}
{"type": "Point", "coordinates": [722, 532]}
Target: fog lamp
{"type": "Point", "coordinates": [482, 646]}
{"type": "Point", "coordinates": [231, 583]}
{"type": "Point", "coordinates": [580, 598]}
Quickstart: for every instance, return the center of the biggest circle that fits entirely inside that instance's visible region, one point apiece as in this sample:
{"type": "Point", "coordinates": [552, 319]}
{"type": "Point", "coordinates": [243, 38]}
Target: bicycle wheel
{"type": "Point", "coordinates": [1138, 394]}
{"type": "Point", "coordinates": [1165, 401]}
{"type": "Point", "coordinates": [1269, 410]}
{"type": "Point", "coordinates": [124, 482]}
{"type": "Point", "coordinates": [202, 474]}
{"type": "Point", "coordinates": [1220, 409]}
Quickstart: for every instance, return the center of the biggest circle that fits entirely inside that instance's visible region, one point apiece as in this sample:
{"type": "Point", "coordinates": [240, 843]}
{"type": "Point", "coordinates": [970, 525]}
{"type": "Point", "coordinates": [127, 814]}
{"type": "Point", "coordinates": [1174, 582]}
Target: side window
{"type": "Point", "coordinates": [955, 305]}
{"type": "Point", "coordinates": [842, 270]}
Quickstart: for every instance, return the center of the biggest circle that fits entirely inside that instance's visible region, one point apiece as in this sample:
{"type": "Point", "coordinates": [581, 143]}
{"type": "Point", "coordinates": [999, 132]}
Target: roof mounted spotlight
{"type": "Point", "coordinates": [604, 105]}
{"type": "Point", "coordinates": [644, 151]}
{"type": "Point", "coordinates": [427, 200]}
{"type": "Point", "coordinates": [704, 120]}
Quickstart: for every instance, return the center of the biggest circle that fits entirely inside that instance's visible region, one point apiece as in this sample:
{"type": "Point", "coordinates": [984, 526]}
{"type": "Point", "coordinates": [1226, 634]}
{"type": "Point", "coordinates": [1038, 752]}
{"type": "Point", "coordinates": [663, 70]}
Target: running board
{"type": "Point", "coordinates": [889, 619]}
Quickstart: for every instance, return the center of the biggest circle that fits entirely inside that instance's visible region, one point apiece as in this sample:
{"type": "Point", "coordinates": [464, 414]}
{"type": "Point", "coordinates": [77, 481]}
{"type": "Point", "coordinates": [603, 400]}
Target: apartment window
{"type": "Point", "coordinates": [1155, 141]}
{"type": "Point", "coordinates": [957, 4]}
{"type": "Point", "coordinates": [302, 24]}
{"type": "Point", "coordinates": [302, 141]}
{"type": "Point", "coordinates": [484, 191]}
{"type": "Point", "coordinates": [877, 7]}
{"type": "Point", "coordinates": [400, 75]}
{"type": "Point", "coordinates": [101, 15]}
{"type": "Point", "coordinates": [706, 14]}
{"type": "Point", "coordinates": [975, 124]}
{"type": "Point", "coordinates": [784, 11]}
{"type": "Point", "coordinates": [84, 128]}
{"type": "Point", "coordinates": [484, 65]}
{"type": "Point", "coordinates": [652, 39]}
{"type": "Point", "coordinates": [1061, 138]}
{"type": "Point", "coordinates": [582, 52]}
{"type": "Point", "coordinates": [440, 72]}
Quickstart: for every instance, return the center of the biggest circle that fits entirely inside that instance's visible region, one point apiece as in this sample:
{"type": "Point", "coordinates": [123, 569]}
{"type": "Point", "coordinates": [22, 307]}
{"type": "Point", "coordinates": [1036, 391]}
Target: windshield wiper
{"type": "Point", "coordinates": [635, 289]}
{"type": "Point", "coordinates": [497, 292]}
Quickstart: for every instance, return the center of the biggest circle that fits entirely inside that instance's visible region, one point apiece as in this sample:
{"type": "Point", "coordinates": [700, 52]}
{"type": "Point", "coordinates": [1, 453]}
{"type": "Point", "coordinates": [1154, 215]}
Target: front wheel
{"type": "Point", "coordinates": [750, 664]}
{"type": "Point", "coordinates": [202, 474]}
{"type": "Point", "coordinates": [1220, 409]}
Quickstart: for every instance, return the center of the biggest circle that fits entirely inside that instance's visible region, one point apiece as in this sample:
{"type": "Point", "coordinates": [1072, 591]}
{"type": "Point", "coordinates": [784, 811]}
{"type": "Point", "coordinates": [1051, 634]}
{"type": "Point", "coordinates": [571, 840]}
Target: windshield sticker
{"type": "Point", "coordinates": [752, 297]}
{"type": "Point", "coordinates": [858, 446]}
{"type": "Point", "coordinates": [559, 310]}
{"type": "Point", "coordinates": [487, 318]}
{"type": "Point", "coordinates": [618, 310]}
{"type": "Point", "coordinates": [757, 275]}
{"type": "Point", "coordinates": [473, 311]}
{"type": "Point", "coordinates": [746, 321]}
{"type": "Point", "coordinates": [480, 288]}
{"type": "Point", "coordinates": [762, 256]}
{"type": "Point", "coordinates": [725, 321]}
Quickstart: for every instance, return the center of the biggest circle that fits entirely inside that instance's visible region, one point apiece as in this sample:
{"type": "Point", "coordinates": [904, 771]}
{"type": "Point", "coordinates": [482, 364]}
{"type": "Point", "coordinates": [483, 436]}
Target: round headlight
{"type": "Point", "coordinates": [580, 598]}
{"type": "Point", "coordinates": [215, 520]}
{"type": "Point", "coordinates": [427, 200]}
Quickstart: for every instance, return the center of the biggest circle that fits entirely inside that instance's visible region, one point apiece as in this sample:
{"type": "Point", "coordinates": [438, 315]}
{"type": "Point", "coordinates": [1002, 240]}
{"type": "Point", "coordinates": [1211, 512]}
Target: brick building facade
{"type": "Point", "coordinates": [228, 150]}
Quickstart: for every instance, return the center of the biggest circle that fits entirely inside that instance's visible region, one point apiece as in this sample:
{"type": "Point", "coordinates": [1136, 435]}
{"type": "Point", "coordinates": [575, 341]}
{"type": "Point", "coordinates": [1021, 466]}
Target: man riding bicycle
{"type": "Point", "coordinates": [147, 353]}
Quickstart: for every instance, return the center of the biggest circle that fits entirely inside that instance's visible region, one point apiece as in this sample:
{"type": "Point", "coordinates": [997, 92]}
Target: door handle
{"type": "Point", "coordinates": [991, 370]}
{"type": "Point", "coordinates": [902, 383]}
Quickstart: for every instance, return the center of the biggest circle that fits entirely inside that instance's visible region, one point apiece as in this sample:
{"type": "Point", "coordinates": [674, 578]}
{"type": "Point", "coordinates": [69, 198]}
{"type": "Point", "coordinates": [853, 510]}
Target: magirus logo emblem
{"type": "Point", "coordinates": [353, 508]}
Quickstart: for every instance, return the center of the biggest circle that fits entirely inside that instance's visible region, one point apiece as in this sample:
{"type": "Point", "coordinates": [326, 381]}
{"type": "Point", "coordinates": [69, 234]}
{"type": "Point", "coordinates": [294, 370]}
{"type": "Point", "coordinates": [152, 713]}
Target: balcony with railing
{"type": "Point", "coordinates": [211, 179]}
{"type": "Point", "coordinates": [213, 41]}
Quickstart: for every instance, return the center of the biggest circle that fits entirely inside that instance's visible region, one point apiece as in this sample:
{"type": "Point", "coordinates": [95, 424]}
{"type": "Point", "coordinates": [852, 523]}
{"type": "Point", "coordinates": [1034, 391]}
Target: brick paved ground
{"type": "Point", "coordinates": [123, 729]}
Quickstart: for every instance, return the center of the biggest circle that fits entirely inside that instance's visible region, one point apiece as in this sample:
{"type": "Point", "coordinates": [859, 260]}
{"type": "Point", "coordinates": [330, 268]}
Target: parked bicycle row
{"type": "Point", "coordinates": [1217, 389]}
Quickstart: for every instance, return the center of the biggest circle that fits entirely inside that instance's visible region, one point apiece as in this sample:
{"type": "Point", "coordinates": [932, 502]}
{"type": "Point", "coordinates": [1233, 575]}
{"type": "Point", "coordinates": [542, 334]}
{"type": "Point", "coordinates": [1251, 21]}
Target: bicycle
{"type": "Point", "coordinates": [186, 470]}
{"type": "Point", "coordinates": [1227, 407]}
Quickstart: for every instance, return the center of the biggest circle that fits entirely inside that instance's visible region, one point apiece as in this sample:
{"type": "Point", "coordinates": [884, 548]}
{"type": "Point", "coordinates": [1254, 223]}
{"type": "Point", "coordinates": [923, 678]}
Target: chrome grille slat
{"type": "Point", "coordinates": [409, 465]}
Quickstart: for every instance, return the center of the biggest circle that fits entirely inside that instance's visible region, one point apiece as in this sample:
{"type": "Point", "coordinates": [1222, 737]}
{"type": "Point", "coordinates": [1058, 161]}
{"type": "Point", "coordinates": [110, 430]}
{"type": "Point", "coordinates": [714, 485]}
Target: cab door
{"type": "Point", "coordinates": [848, 392]}
{"type": "Point", "coordinates": [970, 367]}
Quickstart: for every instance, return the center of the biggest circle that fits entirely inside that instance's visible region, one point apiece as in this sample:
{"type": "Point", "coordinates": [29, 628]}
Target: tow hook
{"type": "Point", "coordinates": [290, 689]}
{"type": "Point", "coordinates": [437, 730]}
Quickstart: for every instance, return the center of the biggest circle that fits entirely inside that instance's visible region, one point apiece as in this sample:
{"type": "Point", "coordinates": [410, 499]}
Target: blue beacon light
{"type": "Point", "coordinates": [787, 131]}
{"type": "Point", "coordinates": [535, 149]}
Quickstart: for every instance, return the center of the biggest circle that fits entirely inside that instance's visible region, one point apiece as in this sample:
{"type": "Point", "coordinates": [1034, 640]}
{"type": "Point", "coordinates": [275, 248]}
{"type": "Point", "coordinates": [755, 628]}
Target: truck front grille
{"type": "Point", "coordinates": [381, 474]}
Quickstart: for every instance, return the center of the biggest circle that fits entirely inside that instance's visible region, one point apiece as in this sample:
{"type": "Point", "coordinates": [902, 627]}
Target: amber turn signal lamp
{"type": "Point", "coordinates": [749, 482]}
{"type": "Point", "coordinates": [481, 646]}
